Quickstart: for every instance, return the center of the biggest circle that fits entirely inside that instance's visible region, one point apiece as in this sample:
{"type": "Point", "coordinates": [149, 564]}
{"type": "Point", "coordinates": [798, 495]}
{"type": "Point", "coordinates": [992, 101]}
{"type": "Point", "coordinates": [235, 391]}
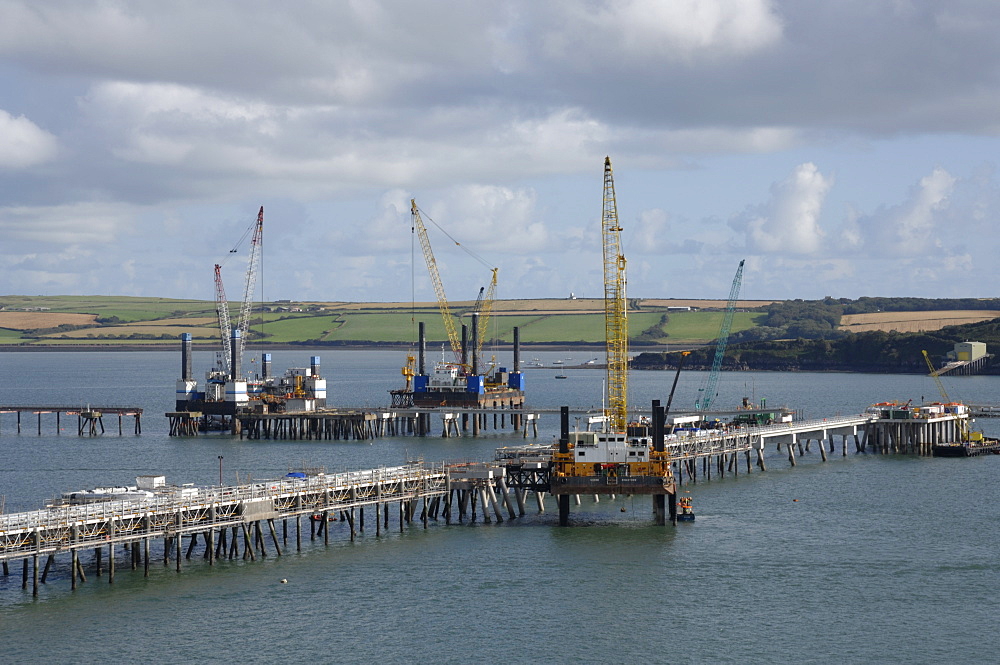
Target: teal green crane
{"type": "Point", "coordinates": [707, 394]}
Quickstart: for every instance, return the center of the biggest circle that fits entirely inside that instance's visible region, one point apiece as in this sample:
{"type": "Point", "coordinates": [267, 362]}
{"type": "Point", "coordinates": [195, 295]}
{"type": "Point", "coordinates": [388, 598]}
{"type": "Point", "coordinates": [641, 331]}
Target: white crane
{"type": "Point", "coordinates": [253, 265]}
{"type": "Point", "coordinates": [222, 312]}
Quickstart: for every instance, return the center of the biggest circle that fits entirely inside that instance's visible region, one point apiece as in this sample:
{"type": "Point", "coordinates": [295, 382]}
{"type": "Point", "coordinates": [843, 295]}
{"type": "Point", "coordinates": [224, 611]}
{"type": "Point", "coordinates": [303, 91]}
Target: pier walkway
{"type": "Point", "coordinates": [528, 467]}
{"type": "Point", "coordinates": [177, 512]}
{"type": "Point", "coordinates": [220, 515]}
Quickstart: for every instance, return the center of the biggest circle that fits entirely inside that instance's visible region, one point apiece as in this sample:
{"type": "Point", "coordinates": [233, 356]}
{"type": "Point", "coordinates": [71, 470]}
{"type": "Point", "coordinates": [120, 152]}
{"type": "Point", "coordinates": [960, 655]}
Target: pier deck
{"type": "Point", "coordinates": [90, 419]}
{"type": "Point", "coordinates": [187, 511]}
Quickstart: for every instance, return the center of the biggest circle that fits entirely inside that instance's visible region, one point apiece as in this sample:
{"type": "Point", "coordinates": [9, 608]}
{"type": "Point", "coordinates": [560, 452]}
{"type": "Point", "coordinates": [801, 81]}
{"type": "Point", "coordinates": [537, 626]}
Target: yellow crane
{"type": "Point", "coordinates": [615, 319]}
{"type": "Point", "coordinates": [963, 425]}
{"type": "Point", "coordinates": [442, 300]}
{"type": "Point", "coordinates": [484, 305]}
{"type": "Point", "coordinates": [937, 379]}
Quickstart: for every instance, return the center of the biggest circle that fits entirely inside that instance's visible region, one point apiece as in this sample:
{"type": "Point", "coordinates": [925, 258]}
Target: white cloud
{"type": "Point", "coordinates": [913, 223]}
{"type": "Point", "coordinates": [496, 117]}
{"type": "Point", "coordinates": [23, 143]}
{"type": "Point", "coordinates": [789, 222]}
{"type": "Point", "coordinates": [97, 223]}
{"type": "Point", "coordinates": [911, 228]}
{"type": "Point", "coordinates": [688, 28]}
{"type": "Point", "coordinates": [651, 234]}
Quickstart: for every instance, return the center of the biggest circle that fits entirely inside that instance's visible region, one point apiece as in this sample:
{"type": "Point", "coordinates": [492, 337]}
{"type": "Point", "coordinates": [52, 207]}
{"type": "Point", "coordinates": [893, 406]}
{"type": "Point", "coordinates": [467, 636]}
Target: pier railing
{"type": "Point", "coordinates": [181, 510]}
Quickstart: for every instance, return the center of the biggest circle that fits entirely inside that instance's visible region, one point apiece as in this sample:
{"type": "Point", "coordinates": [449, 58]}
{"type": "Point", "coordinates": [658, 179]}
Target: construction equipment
{"type": "Point", "coordinates": [484, 306]}
{"type": "Point", "coordinates": [253, 265]}
{"type": "Point", "coordinates": [963, 424]}
{"type": "Point", "coordinates": [937, 379]}
{"type": "Point", "coordinates": [708, 392]}
{"type": "Point", "coordinates": [222, 313]}
{"type": "Point", "coordinates": [615, 320]}
{"type": "Point", "coordinates": [677, 375]}
{"type": "Point", "coordinates": [432, 269]}
{"type": "Point", "coordinates": [620, 459]}
{"type": "Point", "coordinates": [408, 371]}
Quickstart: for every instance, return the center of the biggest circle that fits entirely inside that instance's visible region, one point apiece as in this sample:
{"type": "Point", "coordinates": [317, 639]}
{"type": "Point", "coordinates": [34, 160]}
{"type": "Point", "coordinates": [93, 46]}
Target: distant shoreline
{"type": "Point", "coordinates": [175, 346]}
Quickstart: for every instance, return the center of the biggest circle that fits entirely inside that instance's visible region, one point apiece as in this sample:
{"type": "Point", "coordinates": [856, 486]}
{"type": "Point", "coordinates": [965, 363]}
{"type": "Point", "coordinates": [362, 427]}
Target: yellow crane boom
{"type": "Point", "coordinates": [442, 300]}
{"type": "Point", "coordinates": [963, 423]}
{"type": "Point", "coordinates": [485, 308]}
{"type": "Point", "coordinates": [937, 379]}
{"type": "Point", "coordinates": [615, 320]}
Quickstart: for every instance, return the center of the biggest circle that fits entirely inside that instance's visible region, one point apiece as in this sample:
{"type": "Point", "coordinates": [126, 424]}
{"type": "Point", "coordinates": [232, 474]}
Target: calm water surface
{"type": "Point", "coordinates": [862, 559]}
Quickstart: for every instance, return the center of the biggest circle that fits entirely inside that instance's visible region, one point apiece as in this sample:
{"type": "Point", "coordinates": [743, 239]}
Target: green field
{"type": "Point", "coordinates": [153, 321]}
{"type": "Point", "coordinates": [704, 326]}
{"type": "Point", "coordinates": [123, 307]}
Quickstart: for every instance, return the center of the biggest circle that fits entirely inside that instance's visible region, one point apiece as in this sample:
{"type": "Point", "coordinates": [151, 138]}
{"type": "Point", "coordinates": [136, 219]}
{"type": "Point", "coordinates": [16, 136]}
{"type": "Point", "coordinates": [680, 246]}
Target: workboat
{"type": "Point", "coordinates": [560, 376]}
{"type": "Point", "coordinates": [685, 512]}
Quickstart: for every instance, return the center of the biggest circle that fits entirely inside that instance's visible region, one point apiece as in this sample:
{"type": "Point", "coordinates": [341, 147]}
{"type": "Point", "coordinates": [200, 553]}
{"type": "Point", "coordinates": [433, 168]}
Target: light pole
{"type": "Point", "coordinates": [220, 470]}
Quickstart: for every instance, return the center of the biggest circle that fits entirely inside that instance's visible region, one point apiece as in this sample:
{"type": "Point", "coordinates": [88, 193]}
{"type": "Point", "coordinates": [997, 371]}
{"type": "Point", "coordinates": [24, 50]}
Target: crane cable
{"type": "Point", "coordinates": [468, 251]}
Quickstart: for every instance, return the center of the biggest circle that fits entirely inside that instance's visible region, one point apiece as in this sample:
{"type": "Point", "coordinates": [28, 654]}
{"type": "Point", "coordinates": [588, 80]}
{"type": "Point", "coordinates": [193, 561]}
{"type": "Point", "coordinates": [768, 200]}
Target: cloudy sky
{"type": "Point", "coordinates": [843, 148]}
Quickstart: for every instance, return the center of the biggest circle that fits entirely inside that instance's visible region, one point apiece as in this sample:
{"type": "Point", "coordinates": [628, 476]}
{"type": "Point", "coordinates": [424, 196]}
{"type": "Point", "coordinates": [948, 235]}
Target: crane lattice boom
{"type": "Point", "coordinates": [963, 423]}
{"type": "Point", "coordinates": [253, 264]}
{"type": "Point", "coordinates": [720, 345]}
{"type": "Point", "coordinates": [937, 379]}
{"type": "Point", "coordinates": [222, 313]}
{"type": "Point", "coordinates": [425, 245]}
{"type": "Point", "coordinates": [615, 320]}
{"type": "Point", "coordinates": [484, 305]}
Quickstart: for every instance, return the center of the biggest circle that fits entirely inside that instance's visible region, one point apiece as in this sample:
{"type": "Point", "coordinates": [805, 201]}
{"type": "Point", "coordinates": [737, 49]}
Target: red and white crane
{"type": "Point", "coordinates": [222, 313]}
{"type": "Point", "coordinates": [253, 265]}
{"type": "Point", "coordinates": [223, 359]}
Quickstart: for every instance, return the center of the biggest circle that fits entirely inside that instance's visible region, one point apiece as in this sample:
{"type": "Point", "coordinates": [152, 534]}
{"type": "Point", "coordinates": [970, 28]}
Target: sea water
{"type": "Point", "coordinates": [861, 559]}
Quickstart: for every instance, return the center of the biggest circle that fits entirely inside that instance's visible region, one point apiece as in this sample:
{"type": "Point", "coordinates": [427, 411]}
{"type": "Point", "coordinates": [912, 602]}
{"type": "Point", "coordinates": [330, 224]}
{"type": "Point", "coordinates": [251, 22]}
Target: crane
{"type": "Point", "coordinates": [677, 375]}
{"type": "Point", "coordinates": [253, 265]}
{"type": "Point", "coordinates": [937, 379]}
{"type": "Point", "coordinates": [708, 392]}
{"type": "Point", "coordinates": [615, 320]}
{"type": "Point", "coordinates": [484, 305]}
{"type": "Point", "coordinates": [222, 312]}
{"type": "Point", "coordinates": [963, 425]}
{"type": "Point", "coordinates": [432, 269]}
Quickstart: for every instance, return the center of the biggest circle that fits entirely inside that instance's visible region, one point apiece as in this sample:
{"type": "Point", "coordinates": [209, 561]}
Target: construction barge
{"type": "Point", "coordinates": [294, 405]}
{"type": "Point", "coordinates": [981, 446]}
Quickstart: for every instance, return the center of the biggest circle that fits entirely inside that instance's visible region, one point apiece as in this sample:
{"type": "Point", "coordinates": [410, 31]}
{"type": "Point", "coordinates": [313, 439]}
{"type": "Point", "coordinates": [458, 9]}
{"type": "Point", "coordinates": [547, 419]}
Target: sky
{"type": "Point", "coordinates": [842, 149]}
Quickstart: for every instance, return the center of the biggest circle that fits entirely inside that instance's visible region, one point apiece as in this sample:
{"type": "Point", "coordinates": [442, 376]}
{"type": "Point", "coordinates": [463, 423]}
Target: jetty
{"type": "Point", "coordinates": [217, 515]}
{"type": "Point", "coordinates": [89, 419]}
{"type": "Point", "coordinates": [356, 423]}
{"type": "Point", "coordinates": [229, 522]}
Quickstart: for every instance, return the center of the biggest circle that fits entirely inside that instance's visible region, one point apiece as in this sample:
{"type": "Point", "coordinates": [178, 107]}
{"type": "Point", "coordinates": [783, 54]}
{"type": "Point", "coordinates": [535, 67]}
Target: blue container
{"type": "Point", "coordinates": [475, 384]}
{"type": "Point", "coordinates": [516, 381]}
{"type": "Point", "coordinates": [420, 383]}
